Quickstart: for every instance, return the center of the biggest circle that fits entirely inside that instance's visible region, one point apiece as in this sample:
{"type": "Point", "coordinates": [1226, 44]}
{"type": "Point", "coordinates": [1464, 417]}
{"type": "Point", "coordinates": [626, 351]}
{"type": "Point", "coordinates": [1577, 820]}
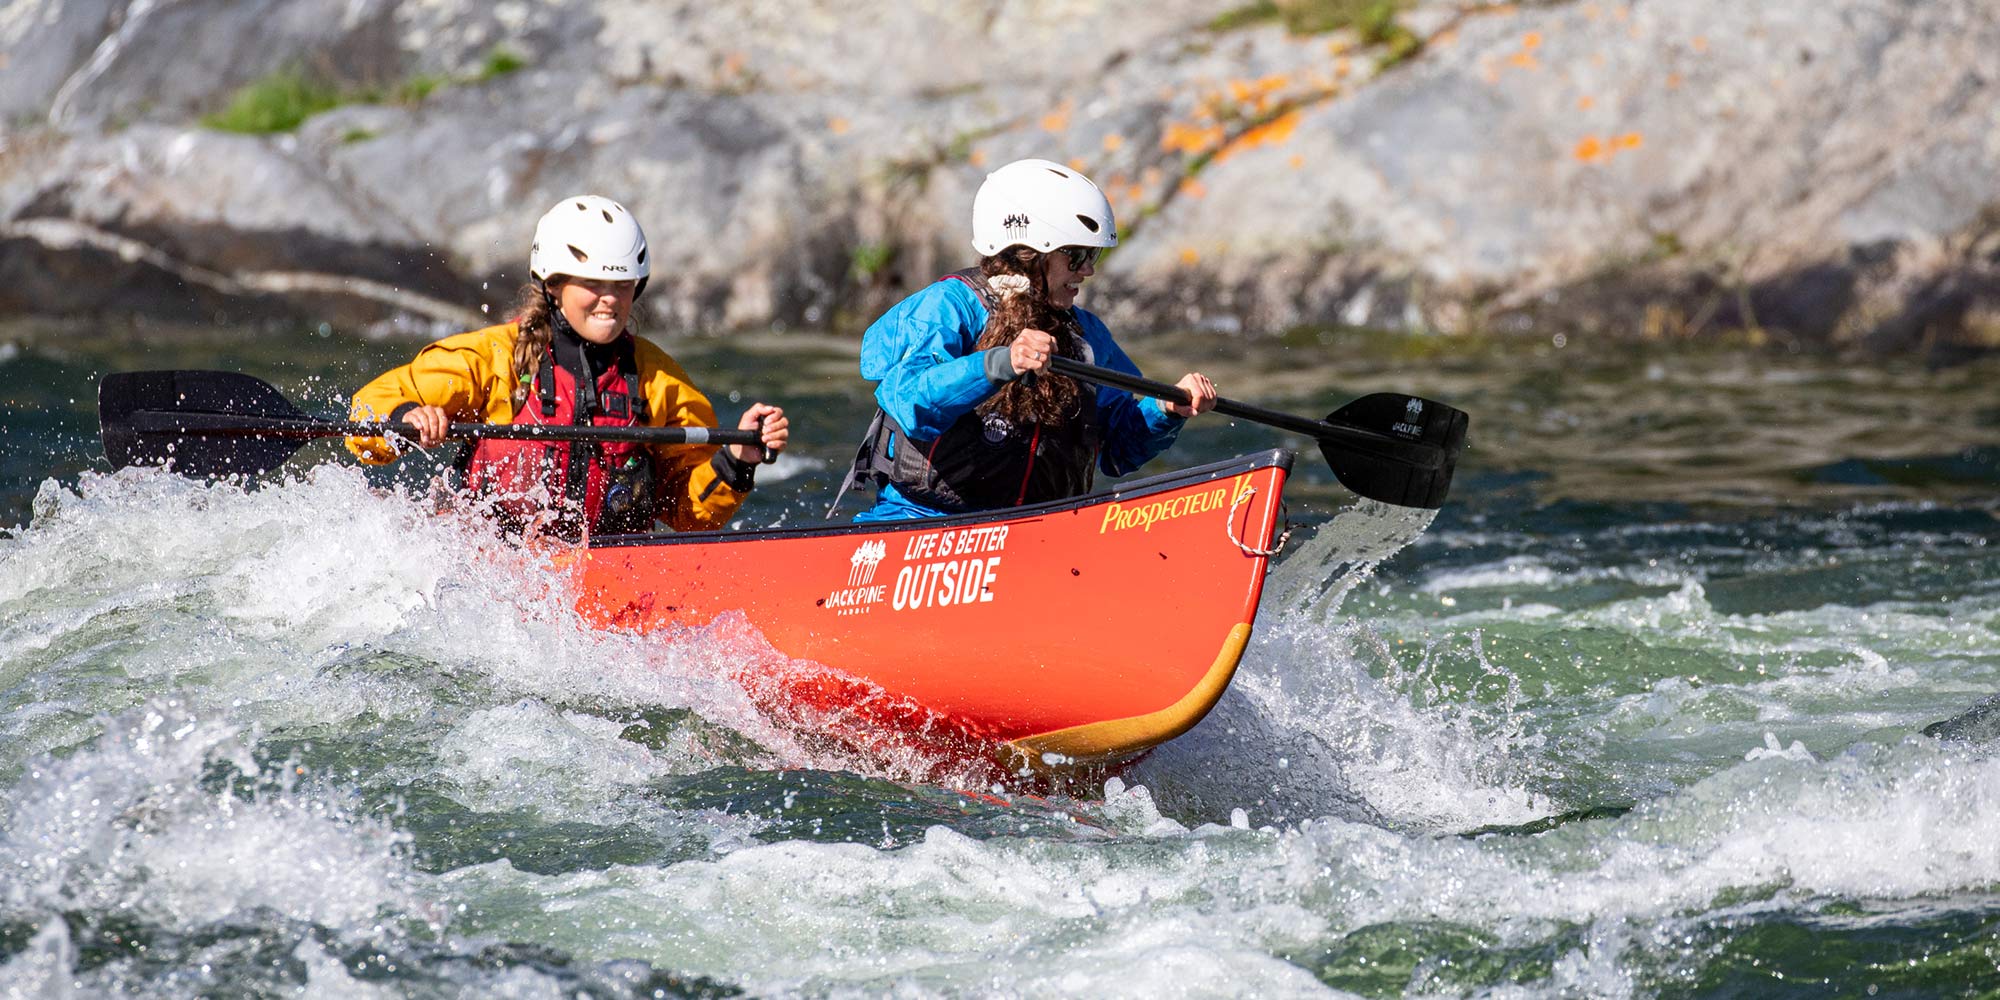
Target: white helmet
{"type": "Point", "coordinates": [1040, 205]}
{"type": "Point", "coordinates": [589, 237]}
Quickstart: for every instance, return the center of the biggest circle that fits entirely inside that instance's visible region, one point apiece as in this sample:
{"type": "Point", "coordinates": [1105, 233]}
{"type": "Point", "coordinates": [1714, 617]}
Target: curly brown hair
{"type": "Point", "coordinates": [1045, 398]}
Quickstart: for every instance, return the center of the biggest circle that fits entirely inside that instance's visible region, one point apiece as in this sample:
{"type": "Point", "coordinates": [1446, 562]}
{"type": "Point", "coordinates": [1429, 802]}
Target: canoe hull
{"type": "Point", "coordinates": [1079, 632]}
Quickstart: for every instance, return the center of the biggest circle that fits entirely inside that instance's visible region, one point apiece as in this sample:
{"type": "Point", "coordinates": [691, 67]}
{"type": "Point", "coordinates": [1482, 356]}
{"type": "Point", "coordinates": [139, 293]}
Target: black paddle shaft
{"type": "Point", "coordinates": [233, 425]}
{"type": "Point", "coordinates": [1386, 446]}
{"type": "Point", "coordinates": [207, 423]}
{"type": "Point", "coordinates": [1431, 457]}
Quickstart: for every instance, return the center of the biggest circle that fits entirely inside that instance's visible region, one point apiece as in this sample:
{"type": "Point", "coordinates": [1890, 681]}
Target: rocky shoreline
{"type": "Point", "coordinates": [1815, 173]}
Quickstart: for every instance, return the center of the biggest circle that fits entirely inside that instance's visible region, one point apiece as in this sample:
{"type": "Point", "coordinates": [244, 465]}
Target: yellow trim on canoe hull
{"type": "Point", "coordinates": [1114, 740]}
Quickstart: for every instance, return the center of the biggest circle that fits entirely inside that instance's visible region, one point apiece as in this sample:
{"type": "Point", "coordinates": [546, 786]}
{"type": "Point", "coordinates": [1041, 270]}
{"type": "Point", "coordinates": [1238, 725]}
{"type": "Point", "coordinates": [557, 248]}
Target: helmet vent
{"type": "Point", "coordinates": [642, 255]}
{"type": "Point", "coordinates": [1059, 173]}
{"type": "Point", "coordinates": [581, 207]}
{"type": "Point", "coordinates": [607, 216]}
{"type": "Point", "coordinates": [581, 257]}
{"type": "Point", "coordinates": [1088, 222]}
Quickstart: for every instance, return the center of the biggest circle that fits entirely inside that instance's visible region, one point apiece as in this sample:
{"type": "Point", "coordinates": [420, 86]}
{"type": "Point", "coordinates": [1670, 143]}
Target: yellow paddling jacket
{"type": "Point", "coordinates": [470, 376]}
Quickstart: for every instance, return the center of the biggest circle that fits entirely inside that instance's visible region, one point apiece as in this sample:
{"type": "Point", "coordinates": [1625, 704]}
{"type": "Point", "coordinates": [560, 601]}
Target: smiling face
{"type": "Point", "coordinates": [596, 309]}
{"type": "Point", "coordinates": [1063, 280]}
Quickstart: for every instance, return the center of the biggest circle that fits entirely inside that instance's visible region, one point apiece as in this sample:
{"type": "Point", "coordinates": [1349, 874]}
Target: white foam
{"type": "Point", "coordinates": [128, 825]}
{"type": "Point", "coordinates": [266, 597]}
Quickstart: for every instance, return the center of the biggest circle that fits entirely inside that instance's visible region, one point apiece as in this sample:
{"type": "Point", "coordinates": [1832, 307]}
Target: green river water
{"type": "Point", "coordinates": [1641, 713]}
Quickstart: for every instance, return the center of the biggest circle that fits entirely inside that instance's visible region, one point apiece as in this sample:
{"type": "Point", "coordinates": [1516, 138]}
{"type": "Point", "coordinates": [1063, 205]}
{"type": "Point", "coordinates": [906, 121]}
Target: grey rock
{"type": "Point", "coordinates": [1822, 171]}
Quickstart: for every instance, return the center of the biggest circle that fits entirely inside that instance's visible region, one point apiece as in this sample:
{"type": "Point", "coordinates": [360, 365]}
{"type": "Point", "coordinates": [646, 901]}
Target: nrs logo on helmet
{"type": "Point", "coordinates": [1041, 205]}
{"type": "Point", "coordinates": [589, 236]}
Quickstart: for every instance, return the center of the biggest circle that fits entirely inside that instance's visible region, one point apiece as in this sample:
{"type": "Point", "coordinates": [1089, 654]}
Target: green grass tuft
{"type": "Point", "coordinates": [283, 100]}
{"type": "Point", "coordinates": [870, 260]}
{"type": "Point", "coordinates": [416, 88]}
{"type": "Point", "coordinates": [1373, 20]}
{"type": "Point", "coordinates": [276, 103]}
{"type": "Point", "coordinates": [500, 62]}
{"type": "Point", "coordinates": [1260, 12]}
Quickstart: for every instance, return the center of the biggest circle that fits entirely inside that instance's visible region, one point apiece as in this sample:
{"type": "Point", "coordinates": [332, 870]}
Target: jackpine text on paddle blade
{"type": "Point", "coordinates": [157, 418]}
{"type": "Point", "coordinates": [1378, 472]}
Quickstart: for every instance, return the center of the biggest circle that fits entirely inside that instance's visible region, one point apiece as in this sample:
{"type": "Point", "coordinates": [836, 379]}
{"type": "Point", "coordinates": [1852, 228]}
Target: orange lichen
{"type": "Point", "coordinates": [1058, 120]}
{"type": "Point", "coordinates": [1181, 137]}
{"type": "Point", "coordinates": [1524, 60]}
{"type": "Point", "coordinates": [1673, 81]}
{"type": "Point", "coordinates": [1271, 133]}
{"type": "Point", "coordinates": [1297, 161]}
{"type": "Point", "coordinates": [977, 158]}
{"type": "Point", "coordinates": [1190, 256]}
{"type": "Point", "coordinates": [1531, 41]}
{"type": "Point", "coordinates": [1598, 149]}
{"type": "Point", "coordinates": [1192, 188]}
{"type": "Point", "coordinates": [1585, 103]}
{"type": "Point", "coordinates": [1114, 142]}
{"type": "Point", "coordinates": [1076, 163]}
{"type": "Point", "coordinates": [1700, 44]}
{"type": "Point", "coordinates": [837, 125]}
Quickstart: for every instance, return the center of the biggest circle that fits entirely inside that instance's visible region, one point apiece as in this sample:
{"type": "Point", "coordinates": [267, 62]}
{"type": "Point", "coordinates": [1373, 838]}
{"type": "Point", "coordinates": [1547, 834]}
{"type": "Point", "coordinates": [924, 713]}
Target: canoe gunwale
{"type": "Point", "coordinates": [1281, 458]}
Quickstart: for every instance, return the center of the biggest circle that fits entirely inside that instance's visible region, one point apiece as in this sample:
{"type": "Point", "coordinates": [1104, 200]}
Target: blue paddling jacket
{"type": "Point", "coordinates": [930, 378]}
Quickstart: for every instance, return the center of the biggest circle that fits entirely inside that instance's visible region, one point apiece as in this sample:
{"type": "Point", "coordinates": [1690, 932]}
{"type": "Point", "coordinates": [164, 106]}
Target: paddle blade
{"type": "Point", "coordinates": [1405, 476]}
{"type": "Point", "coordinates": [182, 419]}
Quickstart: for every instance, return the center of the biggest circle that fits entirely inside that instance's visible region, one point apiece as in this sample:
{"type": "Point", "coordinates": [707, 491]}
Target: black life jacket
{"type": "Point", "coordinates": [982, 462]}
{"type": "Point", "coordinates": [606, 487]}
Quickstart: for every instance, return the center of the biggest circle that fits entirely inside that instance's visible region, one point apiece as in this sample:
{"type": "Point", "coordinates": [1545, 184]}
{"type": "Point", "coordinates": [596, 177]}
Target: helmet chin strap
{"type": "Point", "coordinates": [558, 322]}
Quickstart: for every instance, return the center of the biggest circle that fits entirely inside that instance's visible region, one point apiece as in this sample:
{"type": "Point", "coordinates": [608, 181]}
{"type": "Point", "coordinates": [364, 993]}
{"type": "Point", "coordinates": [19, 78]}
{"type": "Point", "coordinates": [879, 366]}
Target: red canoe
{"type": "Point", "coordinates": [1084, 631]}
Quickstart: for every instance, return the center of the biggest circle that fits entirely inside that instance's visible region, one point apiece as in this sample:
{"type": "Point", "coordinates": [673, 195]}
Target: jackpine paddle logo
{"type": "Point", "coordinates": [1014, 223]}
{"type": "Point", "coordinates": [867, 556]}
{"type": "Point", "coordinates": [862, 593]}
{"type": "Point", "coordinates": [1413, 413]}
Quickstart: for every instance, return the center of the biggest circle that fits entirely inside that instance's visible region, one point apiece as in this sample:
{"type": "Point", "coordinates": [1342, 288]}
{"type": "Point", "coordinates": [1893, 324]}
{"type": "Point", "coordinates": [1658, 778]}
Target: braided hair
{"type": "Point", "coordinates": [534, 314]}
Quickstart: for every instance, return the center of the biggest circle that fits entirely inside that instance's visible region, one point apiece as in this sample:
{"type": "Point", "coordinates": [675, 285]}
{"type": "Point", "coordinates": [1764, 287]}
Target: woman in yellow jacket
{"type": "Point", "coordinates": [569, 359]}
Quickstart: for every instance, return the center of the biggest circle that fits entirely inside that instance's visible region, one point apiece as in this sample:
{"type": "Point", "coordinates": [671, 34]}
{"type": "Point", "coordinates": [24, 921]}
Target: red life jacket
{"type": "Point", "coordinates": [566, 482]}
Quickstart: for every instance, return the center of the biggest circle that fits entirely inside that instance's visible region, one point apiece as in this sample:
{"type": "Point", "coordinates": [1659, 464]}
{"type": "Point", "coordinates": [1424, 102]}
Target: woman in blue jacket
{"type": "Point", "coordinates": [971, 417]}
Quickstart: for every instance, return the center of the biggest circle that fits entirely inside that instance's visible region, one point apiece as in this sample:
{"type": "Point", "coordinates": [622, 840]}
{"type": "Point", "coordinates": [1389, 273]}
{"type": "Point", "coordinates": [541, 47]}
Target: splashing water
{"type": "Point", "coordinates": [1322, 720]}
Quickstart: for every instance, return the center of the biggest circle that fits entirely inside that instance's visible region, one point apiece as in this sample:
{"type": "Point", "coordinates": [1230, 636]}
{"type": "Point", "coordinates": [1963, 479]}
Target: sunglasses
{"type": "Point", "coordinates": [1082, 257]}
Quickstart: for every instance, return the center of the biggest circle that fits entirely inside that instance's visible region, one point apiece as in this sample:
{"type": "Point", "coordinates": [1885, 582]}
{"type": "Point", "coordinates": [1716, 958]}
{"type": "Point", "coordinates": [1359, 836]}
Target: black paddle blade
{"type": "Point", "coordinates": [1398, 475]}
{"type": "Point", "coordinates": [192, 421]}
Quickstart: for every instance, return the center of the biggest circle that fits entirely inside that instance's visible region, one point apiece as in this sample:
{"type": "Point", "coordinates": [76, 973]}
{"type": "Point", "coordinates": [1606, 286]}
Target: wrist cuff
{"type": "Point", "coordinates": [741, 476]}
{"type": "Point", "coordinates": [999, 369]}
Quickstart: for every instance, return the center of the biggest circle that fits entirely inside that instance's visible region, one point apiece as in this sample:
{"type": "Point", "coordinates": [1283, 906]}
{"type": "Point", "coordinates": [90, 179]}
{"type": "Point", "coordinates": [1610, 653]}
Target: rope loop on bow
{"type": "Point", "coordinates": [1229, 526]}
